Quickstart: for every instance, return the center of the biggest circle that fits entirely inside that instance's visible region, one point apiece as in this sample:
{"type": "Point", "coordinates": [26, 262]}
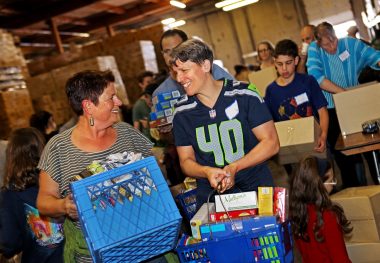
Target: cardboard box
{"type": "Point", "coordinates": [364, 252]}
{"type": "Point", "coordinates": [356, 106]}
{"type": "Point", "coordinates": [297, 139]}
{"type": "Point", "coordinates": [361, 207]}
{"type": "Point", "coordinates": [359, 203]}
{"type": "Point", "coordinates": [261, 79]}
{"type": "Point", "coordinates": [237, 201]}
{"type": "Point", "coordinates": [364, 231]}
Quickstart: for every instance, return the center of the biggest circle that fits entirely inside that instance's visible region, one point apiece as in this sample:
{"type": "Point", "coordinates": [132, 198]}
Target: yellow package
{"type": "Point", "coordinates": [265, 200]}
{"type": "Point", "coordinates": [190, 183]}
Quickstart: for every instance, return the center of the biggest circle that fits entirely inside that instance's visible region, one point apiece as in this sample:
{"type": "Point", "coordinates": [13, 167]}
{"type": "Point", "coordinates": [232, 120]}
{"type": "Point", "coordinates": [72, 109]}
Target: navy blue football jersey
{"type": "Point", "coordinates": [223, 134]}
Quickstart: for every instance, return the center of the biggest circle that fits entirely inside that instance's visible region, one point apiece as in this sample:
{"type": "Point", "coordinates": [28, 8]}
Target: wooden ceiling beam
{"type": "Point", "coordinates": [56, 36]}
{"type": "Point", "coordinates": [101, 6]}
{"type": "Point", "coordinates": [38, 14]}
{"type": "Point", "coordinates": [71, 20]}
{"type": "Point", "coordinates": [137, 12]}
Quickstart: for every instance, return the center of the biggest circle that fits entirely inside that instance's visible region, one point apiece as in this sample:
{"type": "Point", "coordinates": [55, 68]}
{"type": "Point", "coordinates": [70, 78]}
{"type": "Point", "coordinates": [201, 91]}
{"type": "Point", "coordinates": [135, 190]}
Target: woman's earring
{"type": "Point", "coordinates": [91, 121]}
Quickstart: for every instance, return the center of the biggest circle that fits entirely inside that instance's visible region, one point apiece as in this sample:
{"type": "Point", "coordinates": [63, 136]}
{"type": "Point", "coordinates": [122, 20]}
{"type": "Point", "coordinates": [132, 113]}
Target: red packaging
{"type": "Point", "coordinates": [279, 203]}
{"type": "Point", "coordinates": [222, 216]}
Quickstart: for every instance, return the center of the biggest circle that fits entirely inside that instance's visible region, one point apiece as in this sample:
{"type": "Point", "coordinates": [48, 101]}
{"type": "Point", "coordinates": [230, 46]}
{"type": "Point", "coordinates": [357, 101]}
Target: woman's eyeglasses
{"type": "Point", "coordinates": [263, 50]}
{"type": "Point", "coordinates": [332, 182]}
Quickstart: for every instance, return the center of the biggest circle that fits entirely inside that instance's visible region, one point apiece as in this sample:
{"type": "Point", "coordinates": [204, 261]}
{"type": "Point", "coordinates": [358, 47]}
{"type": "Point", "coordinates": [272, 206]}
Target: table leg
{"type": "Point", "coordinates": [376, 165]}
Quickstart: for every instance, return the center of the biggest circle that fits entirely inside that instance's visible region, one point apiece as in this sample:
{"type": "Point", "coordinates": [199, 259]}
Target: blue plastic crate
{"type": "Point", "coordinates": [266, 245]}
{"type": "Point", "coordinates": [188, 201]}
{"type": "Point", "coordinates": [127, 214]}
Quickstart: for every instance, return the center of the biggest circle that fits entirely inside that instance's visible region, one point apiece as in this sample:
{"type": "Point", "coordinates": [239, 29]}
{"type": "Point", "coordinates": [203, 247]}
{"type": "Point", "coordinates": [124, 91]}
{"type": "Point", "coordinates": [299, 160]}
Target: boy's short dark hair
{"type": "Point", "coordinates": [239, 68]}
{"type": "Point", "coordinates": [143, 75]}
{"type": "Point", "coordinates": [151, 88]}
{"type": "Point", "coordinates": [286, 47]}
{"type": "Point", "coordinates": [172, 33]}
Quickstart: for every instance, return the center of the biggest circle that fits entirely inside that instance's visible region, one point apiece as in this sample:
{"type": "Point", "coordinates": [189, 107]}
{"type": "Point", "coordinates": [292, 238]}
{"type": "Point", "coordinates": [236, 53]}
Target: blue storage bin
{"type": "Point", "coordinates": [127, 214]}
{"type": "Point", "coordinates": [266, 245]}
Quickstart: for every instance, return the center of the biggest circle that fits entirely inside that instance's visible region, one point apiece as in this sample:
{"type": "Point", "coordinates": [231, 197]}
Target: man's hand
{"type": "Point", "coordinates": [214, 176]}
{"type": "Point", "coordinates": [229, 181]}
{"type": "Point", "coordinates": [321, 144]}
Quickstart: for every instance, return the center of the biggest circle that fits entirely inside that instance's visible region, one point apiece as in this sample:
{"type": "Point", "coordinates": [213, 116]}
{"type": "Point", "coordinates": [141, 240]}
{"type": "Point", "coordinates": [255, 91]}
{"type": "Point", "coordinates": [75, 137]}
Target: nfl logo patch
{"type": "Point", "coordinates": [212, 113]}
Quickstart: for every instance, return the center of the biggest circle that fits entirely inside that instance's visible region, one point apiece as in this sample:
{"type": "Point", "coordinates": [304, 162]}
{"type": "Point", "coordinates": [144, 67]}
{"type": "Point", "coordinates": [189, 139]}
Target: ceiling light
{"type": "Point", "coordinates": [48, 32]}
{"type": "Point", "coordinates": [168, 21]}
{"type": "Point", "coordinates": [177, 4]}
{"type": "Point", "coordinates": [226, 2]}
{"type": "Point", "coordinates": [177, 23]}
{"type": "Point", "coordinates": [28, 44]}
{"type": "Point", "coordinates": [239, 4]}
{"type": "Point", "coordinates": [369, 23]}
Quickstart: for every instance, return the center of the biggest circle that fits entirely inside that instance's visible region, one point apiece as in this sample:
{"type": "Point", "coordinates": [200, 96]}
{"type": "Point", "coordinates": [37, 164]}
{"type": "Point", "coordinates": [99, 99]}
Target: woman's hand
{"type": "Point", "coordinates": [70, 207]}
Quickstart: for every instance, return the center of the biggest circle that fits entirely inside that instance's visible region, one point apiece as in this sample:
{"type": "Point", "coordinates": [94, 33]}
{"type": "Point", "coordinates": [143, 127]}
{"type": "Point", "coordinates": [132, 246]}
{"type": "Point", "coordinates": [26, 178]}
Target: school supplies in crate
{"type": "Point", "coordinates": [190, 183]}
{"type": "Point", "coordinates": [111, 162]}
{"type": "Point", "coordinates": [200, 218]}
{"type": "Point", "coordinates": [188, 202]}
{"type": "Point", "coordinates": [127, 214]}
{"type": "Point", "coordinates": [265, 200]}
{"type": "Point", "coordinates": [224, 216]}
{"type": "Point", "coordinates": [236, 201]}
{"type": "Point", "coordinates": [230, 228]}
{"type": "Point", "coordinates": [271, 244]}
{"type": "Point", "coordinates": [280, 203]}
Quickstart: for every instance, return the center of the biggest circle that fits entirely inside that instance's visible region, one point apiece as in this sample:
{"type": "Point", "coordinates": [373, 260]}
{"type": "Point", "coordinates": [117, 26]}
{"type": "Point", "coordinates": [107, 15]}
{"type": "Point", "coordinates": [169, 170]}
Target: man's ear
{"type": "Point", "coordinates": [296, 60]}
{"type": "Point", "coordinates": [87, 106]}
{"type": "Point", "coordinates": [206, 66]}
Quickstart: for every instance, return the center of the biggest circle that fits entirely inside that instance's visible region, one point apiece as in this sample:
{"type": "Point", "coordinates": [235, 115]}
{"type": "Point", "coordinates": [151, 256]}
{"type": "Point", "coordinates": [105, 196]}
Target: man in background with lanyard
{"type": "Point", "coordinates": [336, 65]}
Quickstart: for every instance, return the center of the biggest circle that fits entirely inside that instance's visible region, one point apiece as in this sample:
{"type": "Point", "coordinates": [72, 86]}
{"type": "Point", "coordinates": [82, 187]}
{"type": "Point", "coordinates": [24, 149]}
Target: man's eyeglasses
{"type": "Point", "coordinates": [332, 182]}
{"type": "Point", "coordinates": [166, 51]}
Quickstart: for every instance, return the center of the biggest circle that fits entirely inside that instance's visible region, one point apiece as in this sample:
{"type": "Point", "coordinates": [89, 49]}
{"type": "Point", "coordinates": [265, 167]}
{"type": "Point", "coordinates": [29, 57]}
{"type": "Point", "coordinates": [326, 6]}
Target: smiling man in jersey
{"type": "Point", "coordinates": [222, 129]}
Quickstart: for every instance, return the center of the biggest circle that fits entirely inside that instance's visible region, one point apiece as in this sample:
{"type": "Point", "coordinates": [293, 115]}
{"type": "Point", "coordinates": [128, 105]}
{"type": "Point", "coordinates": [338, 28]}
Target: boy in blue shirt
{"type": "Point", "coordinates": [293, 95]}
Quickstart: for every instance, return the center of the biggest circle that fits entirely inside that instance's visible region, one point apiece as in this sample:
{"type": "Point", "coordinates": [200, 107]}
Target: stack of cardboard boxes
{"type": "Point", "coordinates": [362, 207]}
{"type": "Point", "coordinates": [48, 89]}
{"type": "Point", "coordinates": [15, 110]}
{"type": "Point", "coordinates": [361, 204]}
{"type": "Point", "coordinates": [15, 103]}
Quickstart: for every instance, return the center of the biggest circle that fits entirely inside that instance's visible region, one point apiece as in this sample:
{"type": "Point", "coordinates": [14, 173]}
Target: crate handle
{"type": "Point", "coordinates": [221, 201]}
